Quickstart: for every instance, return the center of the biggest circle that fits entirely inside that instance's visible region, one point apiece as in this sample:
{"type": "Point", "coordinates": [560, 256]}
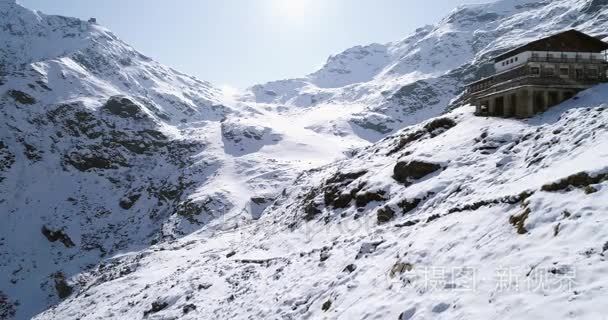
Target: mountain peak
{"type": "Point", "coordinates": [13, 7]}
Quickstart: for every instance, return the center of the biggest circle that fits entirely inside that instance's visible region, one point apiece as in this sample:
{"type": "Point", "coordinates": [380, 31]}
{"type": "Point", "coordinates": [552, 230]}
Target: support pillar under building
{"type": "Point", "coordinates": [529, 103]}
{"type": "Point", "coordinates": [492, 106]}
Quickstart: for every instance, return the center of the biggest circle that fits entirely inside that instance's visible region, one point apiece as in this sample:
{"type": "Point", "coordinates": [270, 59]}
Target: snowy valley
{"type": "Point", "coordinates": [363, 190]}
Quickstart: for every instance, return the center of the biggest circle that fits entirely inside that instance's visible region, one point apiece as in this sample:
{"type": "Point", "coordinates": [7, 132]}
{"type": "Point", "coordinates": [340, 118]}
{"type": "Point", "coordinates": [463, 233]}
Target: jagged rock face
{"type": "Point", "coordinates": [91, 159]}
{"type": "Point", "coordinates": [7, 308]}
{"type": "Point", "coordinates": [89, 182]}
{"type": "Point", "coordinates": [595, 5]}
{"type": "Point", "coordinates": [411, 80]}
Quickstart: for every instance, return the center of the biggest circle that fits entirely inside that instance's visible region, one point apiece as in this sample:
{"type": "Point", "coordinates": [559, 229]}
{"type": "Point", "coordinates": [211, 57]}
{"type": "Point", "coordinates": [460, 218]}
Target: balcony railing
{"type": "Point", "coordinates": [554, 80]}
{"type": "Point", "coordinates": [585, 60]}
{"type": "Point", "coordinates": [542, 75]}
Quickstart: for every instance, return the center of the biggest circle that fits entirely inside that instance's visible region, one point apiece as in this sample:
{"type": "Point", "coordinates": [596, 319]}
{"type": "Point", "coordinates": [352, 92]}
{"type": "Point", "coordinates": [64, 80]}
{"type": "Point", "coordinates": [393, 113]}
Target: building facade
{"type": "Point", "coordinates": [540, 74]}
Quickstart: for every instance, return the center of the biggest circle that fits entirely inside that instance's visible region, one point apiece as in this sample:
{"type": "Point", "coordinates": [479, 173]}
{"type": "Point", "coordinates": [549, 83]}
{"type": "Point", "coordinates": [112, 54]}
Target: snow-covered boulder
{"type": "Point", "coordinates": [241, 138]}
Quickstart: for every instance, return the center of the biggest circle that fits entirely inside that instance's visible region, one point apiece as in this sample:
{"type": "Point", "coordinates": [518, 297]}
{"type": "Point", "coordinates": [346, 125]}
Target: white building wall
{"type": "Point", "coordinates": [517, 60]}
{"type": "Point", "coordinates": [523, 57]}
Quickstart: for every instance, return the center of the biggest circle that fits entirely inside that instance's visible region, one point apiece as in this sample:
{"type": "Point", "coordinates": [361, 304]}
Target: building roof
{"type": "Point", "coordinates": [567, 41]}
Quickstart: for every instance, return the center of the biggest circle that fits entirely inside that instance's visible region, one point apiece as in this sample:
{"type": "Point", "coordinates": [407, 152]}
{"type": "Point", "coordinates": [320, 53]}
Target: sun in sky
{"type": "Point", "coordinates": [294, 9]}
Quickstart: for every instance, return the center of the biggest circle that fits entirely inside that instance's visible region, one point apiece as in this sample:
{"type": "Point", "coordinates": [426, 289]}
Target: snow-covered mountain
{"type": "Point", "coordinates": [459, 217]}
{"type": "Point", "coordinates": [94, 157]}
{"type": "Point", "coordinates": [103, 150]}
{"type": "Point", "coordinates": [131, 190]}
{"type": "Point", "coordinates": [404, 82]}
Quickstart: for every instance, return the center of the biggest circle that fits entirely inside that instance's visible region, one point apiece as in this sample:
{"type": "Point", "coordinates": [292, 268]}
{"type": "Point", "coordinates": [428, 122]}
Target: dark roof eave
{"type": "Point", "coordinates": [510, 53]}
{"type": "Point", "coordinates": [523, 48]}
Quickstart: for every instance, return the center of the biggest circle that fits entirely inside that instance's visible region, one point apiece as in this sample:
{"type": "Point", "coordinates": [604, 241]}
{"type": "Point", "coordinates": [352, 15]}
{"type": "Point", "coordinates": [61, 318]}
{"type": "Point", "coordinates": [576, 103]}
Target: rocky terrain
{"type": "Point", "coordinates": [406, 229]}
{"type": "Point", "coordinates": [131, 190]}
{"type": "Point", "coordinates": [94, 158]}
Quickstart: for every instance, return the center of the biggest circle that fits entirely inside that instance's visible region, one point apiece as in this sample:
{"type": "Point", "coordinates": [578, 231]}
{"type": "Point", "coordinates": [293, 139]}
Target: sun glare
{"type": "Point", "coordinates": [229, 91]}
{"type": "Point", "coordinates": [292, 8]}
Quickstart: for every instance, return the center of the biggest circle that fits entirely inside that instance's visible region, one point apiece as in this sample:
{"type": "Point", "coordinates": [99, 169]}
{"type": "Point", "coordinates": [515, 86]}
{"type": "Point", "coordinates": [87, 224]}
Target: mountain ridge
{"type": "Point", "coordinates": [434, 62]}
{"type": "Point", "coordinates": [119, 174]}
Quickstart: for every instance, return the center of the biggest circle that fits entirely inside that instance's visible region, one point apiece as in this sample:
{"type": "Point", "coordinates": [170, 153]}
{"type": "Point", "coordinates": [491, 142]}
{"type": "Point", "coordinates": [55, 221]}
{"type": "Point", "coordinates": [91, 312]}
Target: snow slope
{"type": "Point", "coordinates": [407, 81]}
{"type": "Point", "coordinates": [129, 189]}
{"type": "Point", "coordinates": [459, 217]}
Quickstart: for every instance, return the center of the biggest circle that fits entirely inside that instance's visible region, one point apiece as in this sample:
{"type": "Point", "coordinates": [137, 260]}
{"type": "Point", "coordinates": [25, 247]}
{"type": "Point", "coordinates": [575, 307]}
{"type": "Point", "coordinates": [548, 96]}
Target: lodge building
{"type": "Point", "coordinates": [540, 74]}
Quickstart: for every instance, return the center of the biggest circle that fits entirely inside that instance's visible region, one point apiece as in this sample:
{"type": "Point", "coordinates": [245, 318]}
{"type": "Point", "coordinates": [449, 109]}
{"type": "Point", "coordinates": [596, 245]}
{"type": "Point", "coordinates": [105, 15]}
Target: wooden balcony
{"type": "Point", "coordinates": [545, 81]}
{"type": "Point", "coordinates": [541, 76]}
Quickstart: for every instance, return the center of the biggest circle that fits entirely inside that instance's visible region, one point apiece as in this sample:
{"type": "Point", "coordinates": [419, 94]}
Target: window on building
{"type": "Point", "coordinates": [512, 60]}
{"type": "Point", "coordinates": [534, 55]}
{"type": "Point", "coordinates": [550, 71]}
{"type": "Point", "coordinates": [535, 70]}
{"type": "Point", "coordinates": [550, 55]}
{"type": "Point", "coordinates": [564, 71]}
{"type": "Point", "coordinates": [516, 58]}
{"type": "Point", "coordinates": [592, 73]}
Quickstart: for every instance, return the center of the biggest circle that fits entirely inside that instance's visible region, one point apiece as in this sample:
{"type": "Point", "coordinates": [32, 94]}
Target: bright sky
{"type": "Point", "coordinates": [243, 42]}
